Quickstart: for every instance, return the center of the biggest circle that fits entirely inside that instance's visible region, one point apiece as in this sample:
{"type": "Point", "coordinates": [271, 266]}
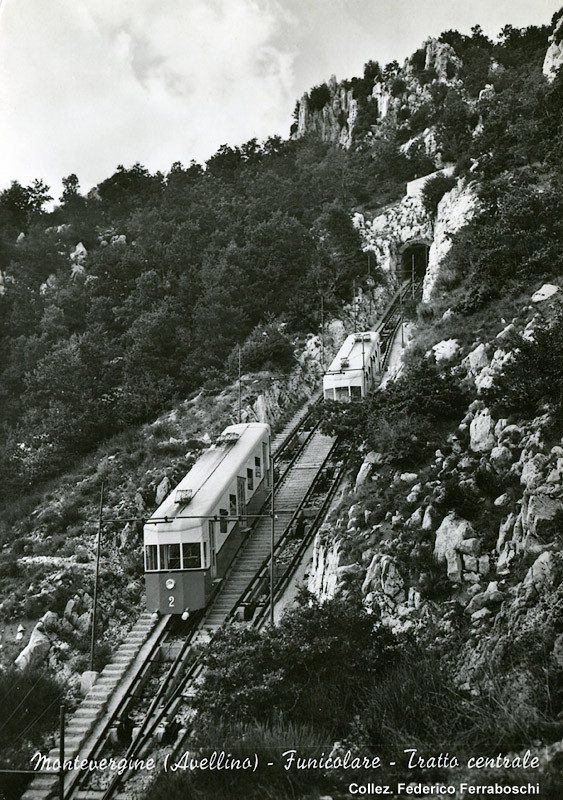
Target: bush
{"type": "Point", "coordinates": [30, 702]}
{"type": "Point", "coordinates": [319, 96]}
{"type": "Point", "coordinates": [308, 669]}
{"type": "Point", "coordinates": [434, 189]}
{"type": "Point", "coordinates": [398, 87]}
{"type": "Point", "coordinates": [534, 375]}
{"type": "Point", "coordinates": [267, 347]}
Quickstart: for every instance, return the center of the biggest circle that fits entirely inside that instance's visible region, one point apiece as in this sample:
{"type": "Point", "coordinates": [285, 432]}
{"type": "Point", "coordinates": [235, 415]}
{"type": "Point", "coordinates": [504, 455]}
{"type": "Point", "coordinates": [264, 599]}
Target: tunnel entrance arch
{"type": "Point", "coordinates": [413, 260]}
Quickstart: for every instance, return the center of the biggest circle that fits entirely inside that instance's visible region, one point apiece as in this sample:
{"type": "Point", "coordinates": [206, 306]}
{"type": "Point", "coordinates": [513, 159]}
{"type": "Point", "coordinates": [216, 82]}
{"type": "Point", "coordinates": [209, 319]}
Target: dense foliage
{"type": "Point", "coordinates": [533, 377]}
{"type": "Point", "coordinates": [94, 341]}
{"type": "Point", "coordinates": [406, 421]}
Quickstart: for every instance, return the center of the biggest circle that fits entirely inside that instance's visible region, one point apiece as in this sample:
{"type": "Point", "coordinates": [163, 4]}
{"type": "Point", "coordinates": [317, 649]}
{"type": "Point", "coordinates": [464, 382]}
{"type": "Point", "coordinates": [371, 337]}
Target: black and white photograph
{"type": "Point", "coordinates": [281, 399]}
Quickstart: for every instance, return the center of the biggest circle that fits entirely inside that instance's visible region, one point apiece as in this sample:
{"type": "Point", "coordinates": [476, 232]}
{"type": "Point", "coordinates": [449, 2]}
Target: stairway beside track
{"type": "Point", "coordinates": [288, 496]}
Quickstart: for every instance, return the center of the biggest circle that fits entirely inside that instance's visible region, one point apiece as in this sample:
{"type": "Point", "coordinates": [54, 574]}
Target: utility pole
{"type": "Point", "coordinates": [322, 333]}
{"type": "Point", "coordinates": [239, 387]}
{"type": "Point", "coordinates": [369, 286]}
{"type": "Point", "coordinates": [96, 578]}
{"type": "Point", "coordinates": [62, 752]}
{"type": "Point", "coordinates": [272, 534]}
{"type": "Point", "coordinates": [363, 368]}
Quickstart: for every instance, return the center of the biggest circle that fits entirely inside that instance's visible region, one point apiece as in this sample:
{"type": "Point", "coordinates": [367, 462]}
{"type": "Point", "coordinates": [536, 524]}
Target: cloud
{"type": "Point", "coordinates": [88, 84]}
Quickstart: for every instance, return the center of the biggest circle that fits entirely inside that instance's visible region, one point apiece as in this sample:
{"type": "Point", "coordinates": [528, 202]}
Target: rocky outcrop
{"type": "Point", "coordinates": [37, 649]}
{"type": "Point", "coordinates": [334, 122]}
{"type": "Point", "coordinates": [386, 234]}
{"type": "Point", "coordinates": [323, 574]}
{"type": "Point", "coordinates": [554, 55]}
{"type": "Point", "coordinates": [456, 208]}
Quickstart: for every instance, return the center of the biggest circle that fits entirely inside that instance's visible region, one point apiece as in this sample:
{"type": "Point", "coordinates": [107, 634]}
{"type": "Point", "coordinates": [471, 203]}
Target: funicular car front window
{"type": "Point", "coordinates": [169, 556]}
{"type": "Point", "coordinates": [191, 555]}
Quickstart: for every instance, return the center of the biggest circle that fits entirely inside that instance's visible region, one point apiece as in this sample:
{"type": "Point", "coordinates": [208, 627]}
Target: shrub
{"type": "Point", "coordinates": [267, 347]}
{"type": "Point", "coordinates": [398, 87]}
{"type": "Point", "coordinates": [535, 373]}
{"type": "Point", "coordinates": [30, 703]}
{"type": "Point", "coordinates": [434, 189]}
{"type": "Point", "coordinates": [319, 96]}
{"type": "Point", "coordinates": [308, 668]}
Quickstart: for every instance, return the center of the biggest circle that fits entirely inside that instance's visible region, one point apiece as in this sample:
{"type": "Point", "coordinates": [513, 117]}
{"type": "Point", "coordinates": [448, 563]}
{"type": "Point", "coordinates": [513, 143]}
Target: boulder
{"type": "Point", "coordinates": [83, 623]}
{"type": "Point", "coordinates": [415, 519]}
{"type": "Point", "coordinates": [431, 519]}
{"type": "Point", "coordinates": [450, 534]}
{"type": "Point", "coordinates": [484, 380]}
{"type": "Point", "coordinates": [87, 680]}
{"type": "Point", "coordinates": [542, 516]}
{"type": "Point", "coordinates": [481, 432]}
{"type": "Point", "coordinates": [484, 565]}
{"type": "Point", "coordinates": [470, 563]}
{"type": "Point", "coordinates": [36, 650]}
{"type": "Point", "coordinates": [49, 620]}
{"type": "Point", "coordinates": [163, 490]}
{"type": "Point", "coordinates": [470, 547]}
{"type": "Point", "coordinates": [532, 475]}
{"type": "Point", "coordinates": [507, 555]}
{"type": "Point", "coordinates": [542, 575]}
{"type": "Point", "coordinates": [476, 360]}
{"type": "Point", "coordinates": [446, 350]}
{"type": "Point", "coordinates": [364, 473]}
{"type": "Point", "coordinates": [546, 291]}
{"type": "Point", "coordinates": [454, 566]}
{"type": "Point", "coordinates": [483, 613]}
{"type": "Point", "coordinates": [501, 457]}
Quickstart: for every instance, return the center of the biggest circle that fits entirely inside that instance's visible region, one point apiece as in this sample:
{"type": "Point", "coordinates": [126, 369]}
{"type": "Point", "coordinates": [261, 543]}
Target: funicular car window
{"type": "Point", "coordinates": [355, 392]}
{"type": "Point", "coordinates": [257, 467]}
{"type": "Point", "coordinates": [250, 478]}
{"type": "Point", "coordinates": [232, 505]}
{"type": "Point", "coordinates": [191, 555]}
{"type": "Point", "coordinates": [341, 393]}
{"type": "Point", "coordinates": [169, 556]}
{"type": "Point", "coordinates": [151, 557]}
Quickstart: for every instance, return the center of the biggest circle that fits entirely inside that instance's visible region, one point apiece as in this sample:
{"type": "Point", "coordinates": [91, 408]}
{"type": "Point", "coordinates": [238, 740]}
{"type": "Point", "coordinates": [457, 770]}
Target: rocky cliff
{"type": "Point", "coordinates": [469, 545]}
{"type": "Point", "coordinates": [333, 114]}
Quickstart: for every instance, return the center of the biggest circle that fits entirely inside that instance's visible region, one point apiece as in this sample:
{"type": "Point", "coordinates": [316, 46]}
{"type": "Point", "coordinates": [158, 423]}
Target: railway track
{"type": "Point", "coordinates": [137, 687]}
{"type": "Point", "coordinates": [156, 671]}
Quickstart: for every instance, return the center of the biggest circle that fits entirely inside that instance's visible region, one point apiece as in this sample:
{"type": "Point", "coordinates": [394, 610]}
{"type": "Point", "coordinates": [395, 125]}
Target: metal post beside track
{"type": "Point", "coordinates": [95, 599]}
{"type": "Point", "coordinates": [272, 534]}
{"type": "Point", "coordinates": [62, 753]}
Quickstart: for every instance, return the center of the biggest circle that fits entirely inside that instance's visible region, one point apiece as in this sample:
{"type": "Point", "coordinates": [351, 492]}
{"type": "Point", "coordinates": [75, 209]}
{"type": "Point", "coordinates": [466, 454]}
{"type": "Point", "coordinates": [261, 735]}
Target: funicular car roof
{"type": "Point", "coordinates": [210, 477]}
{"type": "Point", "coordinates": [355, 351]}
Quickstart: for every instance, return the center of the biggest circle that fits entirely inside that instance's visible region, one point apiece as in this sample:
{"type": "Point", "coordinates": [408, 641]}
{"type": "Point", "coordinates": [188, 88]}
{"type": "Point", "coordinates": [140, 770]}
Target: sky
{"type": "Point", "coordinates": [86, 85]}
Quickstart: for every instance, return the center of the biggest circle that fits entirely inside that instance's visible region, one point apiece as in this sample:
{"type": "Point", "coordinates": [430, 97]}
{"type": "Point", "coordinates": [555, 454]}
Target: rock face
{"type": "Point", "coordinates": [335, 121]}
{"type": "Point", "coordinates": [456, 208]}
{"type": "Point", "coordinates": [451, 534]}
{"type": "Point", "coordinates": [383, 577]}
{"type": "Point", "coordinates": [482, 431]}
{"type": "Point", "coordinates": [323, 576]}
{"type": "Point", "coordinates": [388, 233]}
{"type": "Point", "coordinates": [554, 55]}
{"type": "Point", "coordinates": [36, 650]}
